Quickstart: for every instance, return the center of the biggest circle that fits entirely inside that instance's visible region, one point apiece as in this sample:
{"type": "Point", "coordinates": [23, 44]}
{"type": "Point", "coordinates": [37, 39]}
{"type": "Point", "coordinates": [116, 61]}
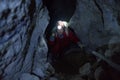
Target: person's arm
{"type": "Point", "coordinates": [75, 39]}
{"type": "Point", "coordinates": [51, 40]}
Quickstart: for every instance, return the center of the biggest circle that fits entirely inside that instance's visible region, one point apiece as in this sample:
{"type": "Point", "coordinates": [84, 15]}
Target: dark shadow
{"type": "Point", "coordinates": [59, 10]}
{"type": "Point", "coordinates": [70, 62]}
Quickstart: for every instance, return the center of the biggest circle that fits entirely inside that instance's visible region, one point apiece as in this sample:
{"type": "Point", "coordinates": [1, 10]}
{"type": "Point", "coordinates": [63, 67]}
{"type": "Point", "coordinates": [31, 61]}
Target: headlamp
{"type": "Point", "coordinates": [59, 27]}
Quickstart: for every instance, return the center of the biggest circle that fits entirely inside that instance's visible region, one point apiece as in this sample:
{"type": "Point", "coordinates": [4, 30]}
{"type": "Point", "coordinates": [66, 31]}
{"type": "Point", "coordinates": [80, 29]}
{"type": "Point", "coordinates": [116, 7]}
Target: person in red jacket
{"type": "Point", "coordinates": [61, 39]}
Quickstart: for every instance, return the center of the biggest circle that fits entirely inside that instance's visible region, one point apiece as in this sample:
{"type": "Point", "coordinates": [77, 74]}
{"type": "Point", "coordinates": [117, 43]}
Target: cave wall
{"type": "Point", "coordinates": [96, 21]}
{"type": "Point", "coordinates": [97, 24]}
{"type": "Point", "coordinates": [23, 50]}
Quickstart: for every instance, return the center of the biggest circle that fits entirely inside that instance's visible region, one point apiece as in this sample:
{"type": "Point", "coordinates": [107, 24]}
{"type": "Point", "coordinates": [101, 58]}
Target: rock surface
{"type": "Point", "coordinates": [96, 21]}
{"type": "Point", "coordinates": [22, 46]}
{"type": "Point", "coordinates": [26, 76]}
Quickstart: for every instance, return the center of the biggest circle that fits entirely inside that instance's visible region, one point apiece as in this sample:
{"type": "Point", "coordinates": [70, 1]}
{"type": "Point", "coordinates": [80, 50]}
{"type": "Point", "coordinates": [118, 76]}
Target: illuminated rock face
{"type": "Point", "coordinates": [22, 46]}
{"type": "Point", "coordinates": [96, 21]}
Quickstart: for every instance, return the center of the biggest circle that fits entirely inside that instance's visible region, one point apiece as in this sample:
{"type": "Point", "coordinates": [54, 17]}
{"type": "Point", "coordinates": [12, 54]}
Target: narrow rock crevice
{"type": "Point", "coordinates": [99, 8]}
{"type": "Point", "coordinates": [59, 10]}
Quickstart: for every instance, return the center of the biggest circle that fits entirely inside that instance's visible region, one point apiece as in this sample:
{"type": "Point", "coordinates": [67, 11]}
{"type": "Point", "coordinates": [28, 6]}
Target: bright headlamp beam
{"type": "Point", "coordinates": [59, 27]}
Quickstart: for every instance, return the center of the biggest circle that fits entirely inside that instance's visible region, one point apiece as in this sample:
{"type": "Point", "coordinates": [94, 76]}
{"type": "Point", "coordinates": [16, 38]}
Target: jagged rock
{"type": "Point", "coordinates": [85, 70]}
{"type": "Point", "coordinates": [95, 22]}
{"type": "Point", "coordinates": [22, 46]}
{"type": "Point", "coordinates": [98, 73]}
{"type": "Point", "coordinates": [113, 49]}
{"type": "Point", "coordinates": [27, 76]}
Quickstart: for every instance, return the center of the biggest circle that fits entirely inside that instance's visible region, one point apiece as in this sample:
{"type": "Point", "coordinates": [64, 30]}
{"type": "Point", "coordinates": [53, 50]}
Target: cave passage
{"type": "Point", "coordinates": [59, 10]}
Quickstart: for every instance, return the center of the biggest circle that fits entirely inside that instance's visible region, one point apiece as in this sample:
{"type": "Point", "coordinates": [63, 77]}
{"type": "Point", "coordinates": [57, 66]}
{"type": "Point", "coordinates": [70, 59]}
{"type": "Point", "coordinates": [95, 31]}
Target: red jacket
{"type": "Point", "coordinates": [59, 44]}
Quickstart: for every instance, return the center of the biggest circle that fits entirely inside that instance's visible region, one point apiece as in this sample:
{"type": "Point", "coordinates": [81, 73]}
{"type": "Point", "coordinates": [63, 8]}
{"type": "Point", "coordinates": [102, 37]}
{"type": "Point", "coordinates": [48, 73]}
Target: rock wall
{"type": "Point", "coordinates": [23, 49]}
{"type": "Point", "coordinates": [96, 21]}
{"type": "Point", "coordinates": [97, 24]}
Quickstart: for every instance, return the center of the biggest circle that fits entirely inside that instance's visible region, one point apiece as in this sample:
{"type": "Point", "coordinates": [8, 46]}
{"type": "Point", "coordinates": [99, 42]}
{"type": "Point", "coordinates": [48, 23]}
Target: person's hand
{"type": "Point", "coordinates": [81, 45]}
{"type": "Point", "coordinates": [52, 37]}
{"type": "Point", "coordinates": [53, 34]}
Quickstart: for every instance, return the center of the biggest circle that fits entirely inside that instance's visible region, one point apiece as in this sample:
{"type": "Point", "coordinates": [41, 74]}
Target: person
{"type": "Point", "coordinates": [62, 38]}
